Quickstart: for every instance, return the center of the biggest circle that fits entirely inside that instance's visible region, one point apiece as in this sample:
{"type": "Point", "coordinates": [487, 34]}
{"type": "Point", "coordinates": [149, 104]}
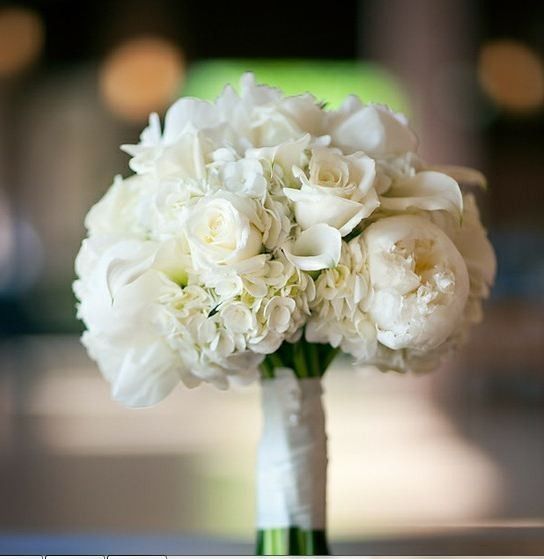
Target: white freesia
{"type": "Point", "coordinates": [338, 191]}
{"type": "Point", "coordinates": [419, 280]}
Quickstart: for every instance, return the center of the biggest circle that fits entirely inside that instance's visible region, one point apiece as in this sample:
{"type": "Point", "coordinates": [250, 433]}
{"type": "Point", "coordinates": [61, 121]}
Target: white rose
{"type": "Point", "coordinates": [419, 279]}
{"type": "Point", "coordinates": [374, 129]}
{"type": "Point", "coordinates": [221, 231]}
{"type": "Point", "coordinates": [339, 190]}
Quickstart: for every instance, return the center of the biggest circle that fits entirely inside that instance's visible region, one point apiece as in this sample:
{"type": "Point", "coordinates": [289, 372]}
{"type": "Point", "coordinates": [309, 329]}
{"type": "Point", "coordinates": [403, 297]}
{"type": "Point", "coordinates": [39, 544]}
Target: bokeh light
{"type": "Point", "coordinates": [21, 39]}
{"type": "Point", "coordinates": [511, 73]}
{"type": "Point", "coordinates": [140, 76]}
{"type": "Point", "coordinates": [330, 81]}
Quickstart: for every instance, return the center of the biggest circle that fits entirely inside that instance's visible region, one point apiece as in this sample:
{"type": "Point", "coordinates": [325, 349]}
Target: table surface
{"type": "Point", "coordinates": [492, 541]}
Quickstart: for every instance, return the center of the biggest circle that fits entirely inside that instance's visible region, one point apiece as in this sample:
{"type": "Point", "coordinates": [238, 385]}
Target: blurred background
{"type": "Point", "coordinates": [412, 459]}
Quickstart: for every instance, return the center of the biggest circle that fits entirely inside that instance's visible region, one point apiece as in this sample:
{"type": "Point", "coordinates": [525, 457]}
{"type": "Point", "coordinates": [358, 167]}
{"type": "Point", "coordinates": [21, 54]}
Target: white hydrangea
{"type": "Point", "coordinates": [259, 220]}
{"type": "Point", "coordinates": [340, 309]}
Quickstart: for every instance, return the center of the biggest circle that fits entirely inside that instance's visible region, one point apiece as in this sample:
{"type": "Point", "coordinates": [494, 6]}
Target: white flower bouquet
{"type": "Point", "coordinates": [260, 235]}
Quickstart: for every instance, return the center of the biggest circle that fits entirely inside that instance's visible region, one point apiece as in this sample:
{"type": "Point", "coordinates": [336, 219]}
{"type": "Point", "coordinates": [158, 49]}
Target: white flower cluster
{"type": "Point", "coordinates": [258, 219]}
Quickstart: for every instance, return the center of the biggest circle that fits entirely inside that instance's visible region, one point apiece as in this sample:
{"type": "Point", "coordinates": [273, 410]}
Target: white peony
{"type": "Point", "coordinates": [419, 280]}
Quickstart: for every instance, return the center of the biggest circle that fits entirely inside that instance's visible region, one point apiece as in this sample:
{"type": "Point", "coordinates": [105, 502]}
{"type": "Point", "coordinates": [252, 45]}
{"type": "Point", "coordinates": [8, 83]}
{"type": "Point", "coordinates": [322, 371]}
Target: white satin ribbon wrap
{"type": "Point", "coordinates": [292, 458]}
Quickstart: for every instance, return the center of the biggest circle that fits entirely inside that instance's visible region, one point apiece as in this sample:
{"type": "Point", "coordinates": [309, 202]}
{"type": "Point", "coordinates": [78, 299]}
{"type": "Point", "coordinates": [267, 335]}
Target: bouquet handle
{"type": "Point", "coordinates": [292, 467]}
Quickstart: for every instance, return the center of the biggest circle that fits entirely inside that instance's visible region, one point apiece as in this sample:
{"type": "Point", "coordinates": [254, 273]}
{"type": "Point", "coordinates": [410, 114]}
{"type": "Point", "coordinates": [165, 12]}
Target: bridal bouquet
{"type": "Point", "coordinates": [261, 234]}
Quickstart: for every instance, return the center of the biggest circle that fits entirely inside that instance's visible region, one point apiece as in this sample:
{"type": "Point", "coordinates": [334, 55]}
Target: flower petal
{"type": "Point", "coordinates": [312, 208]}
{"type": "Point", "coordinates": [201, 114]}
{"type": "Point", "coordinates": [373, 129]}
{"type": "Point", "coordinates": [463, 175]}
{"type": "Point", "coordinates": [317, 248]}
{"type": "Point", "coordinates": [427, 190]}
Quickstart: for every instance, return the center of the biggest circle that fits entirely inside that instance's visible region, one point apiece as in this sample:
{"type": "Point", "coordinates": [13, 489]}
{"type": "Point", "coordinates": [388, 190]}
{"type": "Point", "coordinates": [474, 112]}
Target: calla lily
{"type": "Point", "coordinates": [317, 248]}
{"type": "Point", "coordinates": [428, 191]}
{"type": "Point", "coordinates": [463, 175]}
{"type": "Point", "coordinates": [312, 208]}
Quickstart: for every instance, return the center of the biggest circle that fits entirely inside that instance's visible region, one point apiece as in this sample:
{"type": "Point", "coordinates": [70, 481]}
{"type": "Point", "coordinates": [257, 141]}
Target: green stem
{"type": "Point", "coordinates": [315, 365]}
{"type": "Point", "coordinates": [291, 541]}
{"type": "Point", "coordinates": [307, 360]}
{"type": "Point", "coordinates": [301, 369]}
{"type": "Point", "coordinates": [329, 358]}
